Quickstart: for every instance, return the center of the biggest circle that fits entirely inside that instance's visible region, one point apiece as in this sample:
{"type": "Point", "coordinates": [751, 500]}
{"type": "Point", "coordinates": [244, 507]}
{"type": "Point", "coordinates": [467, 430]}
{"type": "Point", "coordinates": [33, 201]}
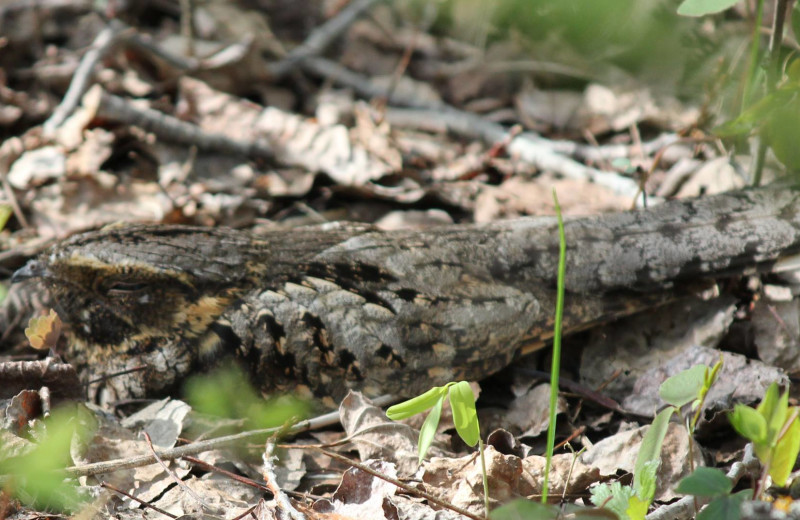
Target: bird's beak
{"type": "Point", "coordinates": [33, 269]}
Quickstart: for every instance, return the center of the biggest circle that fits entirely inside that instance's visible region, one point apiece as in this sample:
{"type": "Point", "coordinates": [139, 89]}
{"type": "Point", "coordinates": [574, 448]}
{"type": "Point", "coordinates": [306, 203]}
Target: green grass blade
{"type": "Point", "coordinates": [556, 363]}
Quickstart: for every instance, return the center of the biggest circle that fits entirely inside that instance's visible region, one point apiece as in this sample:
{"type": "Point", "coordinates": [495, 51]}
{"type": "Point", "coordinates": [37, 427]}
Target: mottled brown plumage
{"type": "Point", "coordinates": [337, 307]}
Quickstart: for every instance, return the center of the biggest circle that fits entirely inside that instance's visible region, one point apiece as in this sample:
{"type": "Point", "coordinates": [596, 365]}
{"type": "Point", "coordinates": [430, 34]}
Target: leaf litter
{"type": "Point", "coordinates": [225, 127]}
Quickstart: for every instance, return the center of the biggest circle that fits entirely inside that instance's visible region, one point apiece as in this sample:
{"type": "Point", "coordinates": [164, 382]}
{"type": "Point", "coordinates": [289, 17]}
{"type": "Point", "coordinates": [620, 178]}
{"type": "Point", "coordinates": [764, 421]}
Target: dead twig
{"type": "Point", "coordinates": [10, 151]}
{"type": "Point", "coordinates": [282, 500]}
{"type": "Point", "coordinates": [211, 444]}
{"type": "Point", "coordinates": [177, 479]}
{"type": "Point", "coordinates": [105, 40]}
{"type": "Point", "coordinates": [321, 37]}
{"type": "Point", "coordinates": [147, 505]}
{"type": "Point", "coordinates": [233, 476]}
{"type": "Point", "coordinates": [528, 147]}
{"type": "Point", "coordinates": [170, 128]}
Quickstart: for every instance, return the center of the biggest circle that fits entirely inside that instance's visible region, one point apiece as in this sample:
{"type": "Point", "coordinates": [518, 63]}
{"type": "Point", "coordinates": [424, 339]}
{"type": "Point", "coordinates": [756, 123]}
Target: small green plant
{"type": "Point", "coordinates": [689, 386]}
{"type": "Point", "coordinates": [555, 367]}
{"type": "Point", "coordinates": [631, 502]}
{"type": "Point", "coordinates": [774, 429]}
{"type": "Point", "coordinates": [768, 107]}
{"type": "Point", "coordinates": [465, 419]}
{"type": "Point", "coordinates": [713, 484]}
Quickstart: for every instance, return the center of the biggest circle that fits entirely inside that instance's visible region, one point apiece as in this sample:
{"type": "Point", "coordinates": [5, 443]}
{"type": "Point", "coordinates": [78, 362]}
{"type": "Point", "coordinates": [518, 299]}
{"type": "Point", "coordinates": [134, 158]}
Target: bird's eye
{"type": "Point", "coordinates": [123, 288]}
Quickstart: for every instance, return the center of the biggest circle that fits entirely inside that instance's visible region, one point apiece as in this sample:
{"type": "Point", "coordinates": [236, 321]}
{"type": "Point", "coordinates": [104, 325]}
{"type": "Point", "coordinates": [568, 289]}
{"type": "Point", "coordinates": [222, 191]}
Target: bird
{"type": "Point", "coordinates": [325, 309]}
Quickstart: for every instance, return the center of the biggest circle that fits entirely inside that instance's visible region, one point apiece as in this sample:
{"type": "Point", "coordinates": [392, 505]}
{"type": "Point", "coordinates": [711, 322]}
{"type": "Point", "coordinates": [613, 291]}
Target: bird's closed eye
{"type": "Point", "coordinates": [123, 288]}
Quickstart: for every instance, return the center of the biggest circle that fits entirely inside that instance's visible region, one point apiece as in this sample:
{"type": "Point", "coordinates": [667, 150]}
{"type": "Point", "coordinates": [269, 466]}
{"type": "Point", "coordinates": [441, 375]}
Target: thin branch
{"type": "Point", "coordinates": [271, 480]}
{"type": "Point", "coordinates": [211, 444]}
{"type": "Point", "coordinates": [172, 129]}
{"type": "Point", "coordinates": [11, 150]}
{"type": "Point", "coordinates": [80, 83]}
{"type": "Point", "coordinates": [144, 504]}
{"type": "Point", "coordinates": [177, 480]}
{"type": "Point", "coordinates": [321, 38]}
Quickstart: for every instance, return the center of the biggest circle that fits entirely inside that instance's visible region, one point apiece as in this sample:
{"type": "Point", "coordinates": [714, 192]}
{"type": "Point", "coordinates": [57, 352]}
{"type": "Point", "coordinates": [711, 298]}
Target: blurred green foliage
{"type": "Point", "coordinates": [610, 40]}
{"type": "Point", "coordinates": [228, 393]}
{"type": "Point", "coordinates": [31, 469]}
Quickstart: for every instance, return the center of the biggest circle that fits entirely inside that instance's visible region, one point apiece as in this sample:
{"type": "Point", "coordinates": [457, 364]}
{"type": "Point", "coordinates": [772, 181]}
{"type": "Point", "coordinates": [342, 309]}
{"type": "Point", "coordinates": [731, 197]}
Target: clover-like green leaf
{"type": "Point", "coordinates": [683, 387]}
{"type": "Point", "coordinates": [614, 497]}
{"type": "Point", "coordinates": [705, 482]}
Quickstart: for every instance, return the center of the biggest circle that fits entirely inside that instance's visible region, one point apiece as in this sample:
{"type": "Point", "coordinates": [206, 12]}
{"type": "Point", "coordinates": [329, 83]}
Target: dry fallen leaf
{"type": "Point", "coordinates": [43, 331]}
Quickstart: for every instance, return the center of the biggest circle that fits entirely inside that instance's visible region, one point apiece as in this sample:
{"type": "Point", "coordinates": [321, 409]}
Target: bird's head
{"type": "Point", "coordinates": [138, 294]}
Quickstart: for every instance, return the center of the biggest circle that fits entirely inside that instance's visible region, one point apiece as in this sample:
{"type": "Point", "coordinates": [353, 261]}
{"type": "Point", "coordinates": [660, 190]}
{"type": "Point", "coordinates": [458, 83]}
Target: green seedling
{"type": "Point", "coordinates": [462, 401]}
{"type": "Point", "coordinates": [465, 419]}
{"type": "Point", "coordinates": [555, 367]}
{"type": "Point", "coordinates": [774, 429]}
{"type": "Point", "coordinates": [690, 386]}
{"type": "Point", "coordinates": [632, 502]}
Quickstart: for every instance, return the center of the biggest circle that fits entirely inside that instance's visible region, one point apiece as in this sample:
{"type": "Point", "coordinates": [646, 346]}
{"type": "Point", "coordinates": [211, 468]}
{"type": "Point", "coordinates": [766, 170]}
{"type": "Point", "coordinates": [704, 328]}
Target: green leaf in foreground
{"type": "Point", "coordinates": [705, 482]}
{"type": "Point", "coordinates": [35, 477]}
{"type": "Point", "coordinates": [5, 214]}
{"type": "Point", "coordinates": [650, 449]}
{"type": "Point", "coordinates": [524, 510]}
{"type": "Point", "coordinates": [726, 507]}
{"type": "Point", "coordinates": [614, 497]}
{"type": "Point", "coordinates": [704, 7]}
{"type": "Point", "coordinates": [637, 508]}
{"type": "Point", "coordinates": [684, 387]}
{"type": "Point", "coordinates": [465, 417]}
{"type": "Point", "coordinates": [785, 452]}
{"type": "Point", "coordinates": [749, 423]}
{"type": "Point", "coordinates": [774, 429]}
{"type": "Point", "coordinates": [227, 393]}
{"type": "Point", "coordinates": [428, 430]}
{"type": "Point", "coordinates": [417, 404]}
